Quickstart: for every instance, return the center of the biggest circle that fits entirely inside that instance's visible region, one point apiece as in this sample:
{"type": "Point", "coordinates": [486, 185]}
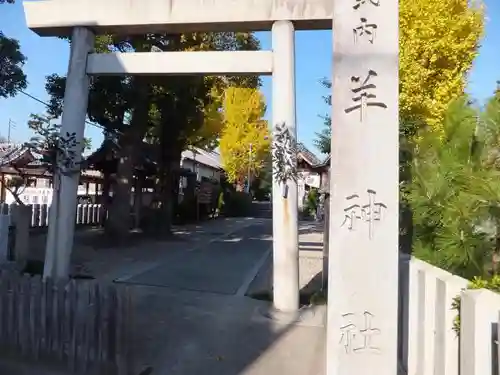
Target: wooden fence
{"type": "Point", "coordinates": [86, 214]}
{"type": "Point", "coordinates": [82, 325]}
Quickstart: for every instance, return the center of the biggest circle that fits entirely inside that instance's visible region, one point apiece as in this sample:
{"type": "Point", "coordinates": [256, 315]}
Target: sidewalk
{"type": "Point", "coordinates": [310, 262]}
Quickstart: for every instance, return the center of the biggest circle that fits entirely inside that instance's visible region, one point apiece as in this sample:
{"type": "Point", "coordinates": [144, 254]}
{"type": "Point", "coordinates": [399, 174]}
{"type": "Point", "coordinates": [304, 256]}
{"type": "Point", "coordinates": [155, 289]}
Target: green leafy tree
{"type": "Point", "coordinates": [491, 122]}
{"type": "Point", "coordinates": [262, 184]}
{"type": "Point", "coordinates": [46, 140]}
{"type": "Point", "coordinates": [170, 113]}
{"type": "Point", "coordinates": [452, 195]}
{"type": "Point", "coordinates": [12, 77]}
{"type": "Point", "coordinates": [324, 137]}
{"type": "Point", "coordinates": [47, 143]}
{"type": "Point", "coordinates": [312, 202]}
{"type": "Point", "coordinates": [188, 111]}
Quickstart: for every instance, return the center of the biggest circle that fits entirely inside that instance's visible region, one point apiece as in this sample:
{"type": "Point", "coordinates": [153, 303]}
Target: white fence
{"type": "Point", "coordinates": [428, 342]}
{"type": "Point", "coordinates": [86, 214]}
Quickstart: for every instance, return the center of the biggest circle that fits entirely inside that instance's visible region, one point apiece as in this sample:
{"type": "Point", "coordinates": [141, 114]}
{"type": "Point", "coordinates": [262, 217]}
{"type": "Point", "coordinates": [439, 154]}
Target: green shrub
{"type": "Point", "coordinates": [312, 202]}
{"type": "Point", "coordinates": [237, 204]}
{"type": "Point", "coordinates": [220, 202]}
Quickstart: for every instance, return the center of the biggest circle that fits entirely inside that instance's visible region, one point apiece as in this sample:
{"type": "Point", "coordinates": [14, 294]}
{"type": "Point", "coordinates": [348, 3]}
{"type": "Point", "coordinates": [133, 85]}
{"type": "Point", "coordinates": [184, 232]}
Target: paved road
{"type": "Point", "coordinates": [222, 266]}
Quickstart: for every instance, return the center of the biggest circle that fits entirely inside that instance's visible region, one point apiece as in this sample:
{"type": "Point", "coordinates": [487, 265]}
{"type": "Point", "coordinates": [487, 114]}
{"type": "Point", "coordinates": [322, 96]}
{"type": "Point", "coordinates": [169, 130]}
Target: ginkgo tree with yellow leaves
{"type": "Point", "coordinates": [438, 41]}
{"type": "Point", "coordinates": [206, 136]}
{"type": "Point", "coordinates": [245, 139]}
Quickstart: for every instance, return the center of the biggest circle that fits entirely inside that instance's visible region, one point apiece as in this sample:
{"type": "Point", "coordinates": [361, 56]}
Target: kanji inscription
{"type": "Point", "coordinates": [364, 95]}
{"type": "Point", "coordinates": [359, 3]}
{"type": "Point", "coordinates": [369, 212]}
{"type": "Point", "coordinates": [357, 334]}
{"type": "Point", "coordinates": [368, 30]}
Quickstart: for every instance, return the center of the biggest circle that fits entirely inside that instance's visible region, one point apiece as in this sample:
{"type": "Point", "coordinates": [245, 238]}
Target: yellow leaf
{"type": "Point", "coordinates": [245, 140]}
{"type": "Point", "coordinates": [439, 40]}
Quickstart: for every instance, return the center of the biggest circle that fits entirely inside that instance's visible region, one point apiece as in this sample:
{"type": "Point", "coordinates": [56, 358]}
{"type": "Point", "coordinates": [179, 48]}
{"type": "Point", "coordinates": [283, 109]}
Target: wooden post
{"type": "Point", "coordinates": [138, 199]}
{"type": "Point", "coordinates": [326, 230]}
{"type": "Point", "coordinates": [21, 218]}
{"type": "Point", "coordinates": [3, 190]}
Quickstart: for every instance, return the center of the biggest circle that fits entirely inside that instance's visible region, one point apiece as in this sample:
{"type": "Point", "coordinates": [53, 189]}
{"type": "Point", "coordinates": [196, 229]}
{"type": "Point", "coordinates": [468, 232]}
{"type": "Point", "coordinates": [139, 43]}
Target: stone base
{"type": "Point", "coordinates": [312, 316]}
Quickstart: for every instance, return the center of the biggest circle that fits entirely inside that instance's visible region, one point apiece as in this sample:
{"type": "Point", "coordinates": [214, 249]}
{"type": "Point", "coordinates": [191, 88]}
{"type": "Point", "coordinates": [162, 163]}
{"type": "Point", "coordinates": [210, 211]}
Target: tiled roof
{"type": "Point", "coordinates": [326, 161]}
{"type": "Point", "coordinates": [10, 152]}
{"type": "Point", "coordinates": [307, 155]}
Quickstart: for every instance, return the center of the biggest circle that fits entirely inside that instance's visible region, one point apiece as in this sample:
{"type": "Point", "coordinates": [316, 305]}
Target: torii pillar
{"type": "Point", "coordinates": [63, 209]}
{"type": "Point", "coordinates": [285, 208]}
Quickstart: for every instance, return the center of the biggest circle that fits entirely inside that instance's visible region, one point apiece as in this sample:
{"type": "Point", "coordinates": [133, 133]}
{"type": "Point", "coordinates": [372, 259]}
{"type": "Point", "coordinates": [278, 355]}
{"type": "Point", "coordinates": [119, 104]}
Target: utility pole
{"type": "Point", "coordinates": [12, 125]}
{"type": "Point", "coordinates": [249, 168]}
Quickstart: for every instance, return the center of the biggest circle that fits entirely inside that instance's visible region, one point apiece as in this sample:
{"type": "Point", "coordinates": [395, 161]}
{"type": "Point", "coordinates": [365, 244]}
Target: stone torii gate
{"type": "Point", "coordinates": [363, 256]}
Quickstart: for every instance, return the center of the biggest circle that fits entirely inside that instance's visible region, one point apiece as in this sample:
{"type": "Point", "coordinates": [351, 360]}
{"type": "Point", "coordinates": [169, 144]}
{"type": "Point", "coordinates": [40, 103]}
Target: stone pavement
{"type": "Point", "coordinates": [310, 262]}
{"type": "Point", "coordinates": [219, 266]}
{"type": "Point", "coordinates": [199, 322]}
{"type": "Point", "coordinates": [192, 316]}
{"type": "Point", "coordinates": [195, 333]}
{"type": "Point", "coordinates": [18, 368]}
{"type": "Point", "coordinates": [112, 262]}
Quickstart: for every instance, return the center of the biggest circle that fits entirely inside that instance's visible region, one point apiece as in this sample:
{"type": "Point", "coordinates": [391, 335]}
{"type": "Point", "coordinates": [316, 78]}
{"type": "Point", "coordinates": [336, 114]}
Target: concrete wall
{"type": "Point", "coordinates": [305, 181]}
{"type": "Point", "coordinates": [428, 343]}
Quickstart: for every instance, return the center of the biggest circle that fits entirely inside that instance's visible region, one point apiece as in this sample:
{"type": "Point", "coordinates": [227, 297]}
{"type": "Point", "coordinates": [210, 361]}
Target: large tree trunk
{"type": "Point", "coordinates": [168, 196]}
{"type": "Point", "coordinates": [495, 258]}
{"type": "Point", "coordinates": [175, 166]}
{"type": "Point", "coordinates": [169, 179]}
{"type": "Point", "coordinates": [118, 222]}
{"type": "Point", "coordinates": [119, 219]}
{"type": "Point", "coordinates": [405, 211]}
{"type": "Point", "coordinates": [240, 185]}
{"type": "Point", "coordinates": [3, 191]}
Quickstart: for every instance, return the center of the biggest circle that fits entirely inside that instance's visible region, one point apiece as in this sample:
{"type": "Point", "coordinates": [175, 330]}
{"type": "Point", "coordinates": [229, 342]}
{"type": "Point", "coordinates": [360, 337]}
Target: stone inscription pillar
{"type": "Point", "coordinates": [285, 219]}
{"type": "Point", "coordinates": [63, 209]}
{"type": "Point", "coordinates": [363, 258]}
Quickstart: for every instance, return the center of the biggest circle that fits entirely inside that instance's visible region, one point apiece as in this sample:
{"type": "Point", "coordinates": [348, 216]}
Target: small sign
{"type": "Point", "coordinates": [313, 180]}
{"type": "Point", "coordinates": [205, 193]}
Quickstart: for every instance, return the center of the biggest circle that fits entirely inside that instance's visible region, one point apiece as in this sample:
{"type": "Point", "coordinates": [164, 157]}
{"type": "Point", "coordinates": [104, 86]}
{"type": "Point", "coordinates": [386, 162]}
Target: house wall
{"type": "Point", "coordinates": [201, 170]}
{"type": "Point", "coordinates": [40, 190]}
{"type": "Point", "coordinates": [305, 181]}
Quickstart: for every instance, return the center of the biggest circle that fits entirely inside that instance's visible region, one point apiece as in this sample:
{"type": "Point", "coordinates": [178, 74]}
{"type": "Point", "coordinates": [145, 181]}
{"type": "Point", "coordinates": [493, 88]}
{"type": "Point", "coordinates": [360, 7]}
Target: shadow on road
{"type": "Point", "coordinates": [202, 328]}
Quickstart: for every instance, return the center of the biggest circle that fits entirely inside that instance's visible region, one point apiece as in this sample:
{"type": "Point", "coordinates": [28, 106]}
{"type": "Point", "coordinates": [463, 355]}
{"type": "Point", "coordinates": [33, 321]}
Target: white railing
{"type": "Point", "coordinates": [86, 214]}
{"type": "Point", "coordinates": [429, 343]}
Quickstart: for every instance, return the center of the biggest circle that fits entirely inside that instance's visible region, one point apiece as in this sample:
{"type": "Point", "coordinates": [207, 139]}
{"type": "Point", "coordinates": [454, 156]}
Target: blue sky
{"type": "Point", "coordinates": [313, 62]}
